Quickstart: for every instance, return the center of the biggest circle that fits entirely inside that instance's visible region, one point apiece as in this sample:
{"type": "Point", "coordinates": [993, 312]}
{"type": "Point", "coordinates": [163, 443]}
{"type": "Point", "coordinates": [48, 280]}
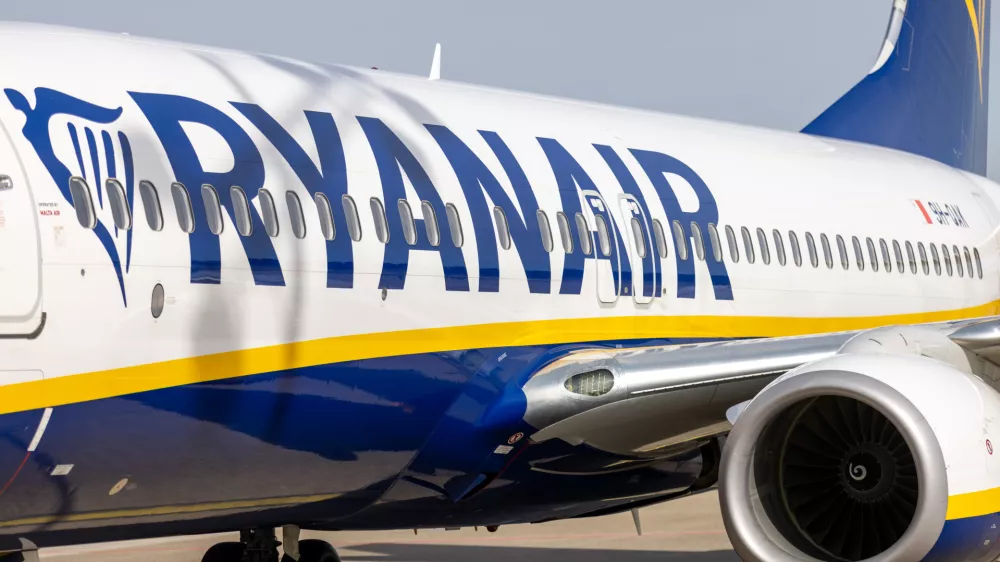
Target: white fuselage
{"type": "Point", "coordinates": [759, 179]}
{"type": "Point", "coordinates": [81, 318]}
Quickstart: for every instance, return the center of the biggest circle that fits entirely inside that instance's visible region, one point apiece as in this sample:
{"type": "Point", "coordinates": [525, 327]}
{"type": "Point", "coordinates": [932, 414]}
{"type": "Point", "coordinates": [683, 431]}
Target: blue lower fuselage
{"type": "Point", "coordinates": [396, 442]}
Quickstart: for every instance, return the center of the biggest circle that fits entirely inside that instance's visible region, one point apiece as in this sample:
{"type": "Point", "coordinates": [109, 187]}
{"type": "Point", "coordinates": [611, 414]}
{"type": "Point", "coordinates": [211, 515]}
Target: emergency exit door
{"type": "Point", "coordinates": [600, 229]}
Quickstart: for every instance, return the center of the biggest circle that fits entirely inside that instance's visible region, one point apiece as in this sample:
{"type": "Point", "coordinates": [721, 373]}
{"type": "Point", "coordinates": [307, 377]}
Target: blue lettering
{"type": "Point", "coordinates": [655, 165]}
{"type": "Point", "coordinates": [166, 113]}
{"type": "Point", "coordinates": [652, 285]}
{"type": "Point", "coordinates": [329, 179]}
{"type": "Point", "coordinates": [391, 155]}
{"type": "Point", "coordinates": [475, 179]}
{"type": "Point", "coordinates": [572, 179]}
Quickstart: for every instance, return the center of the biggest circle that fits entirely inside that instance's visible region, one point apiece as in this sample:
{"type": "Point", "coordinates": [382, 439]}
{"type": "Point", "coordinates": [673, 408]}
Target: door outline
{"type": "Point", "coordinates": [30, 324]}
{"type": "Point", "coordinates": [604, 269]}
{"type": "Point", "coordinates": [638, 267]}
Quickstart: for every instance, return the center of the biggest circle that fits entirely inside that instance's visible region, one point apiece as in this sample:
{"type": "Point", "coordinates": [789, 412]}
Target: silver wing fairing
{"type": "Point", "coordinates": [644, 402]}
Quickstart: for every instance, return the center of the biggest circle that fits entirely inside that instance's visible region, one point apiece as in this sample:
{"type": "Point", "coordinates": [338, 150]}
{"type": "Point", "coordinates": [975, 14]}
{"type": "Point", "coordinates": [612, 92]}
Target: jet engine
{"type": "Point", "coordinates": [881, 452]}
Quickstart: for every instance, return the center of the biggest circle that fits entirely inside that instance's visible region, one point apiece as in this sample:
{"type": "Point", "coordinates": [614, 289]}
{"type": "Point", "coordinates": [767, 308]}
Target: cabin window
{"type": "Point", "coordinates": [699, 241]}
{"type": "Point", "coordinates": [661, 238]}
{"type": "Point", "coordinates": [182, 204]}
{"type": "Point", "coordinates": [748, 244]}
{"type": "Point", "coordinates": [824, 242]}
{"type": "Point", "coordinates": [900, 265]}
{"type": "Point", "coordinates": [979, 263]}
{"type": "Point", "coordinates": [545, 230]}
{"type": "Point", "coordinates": [859, 255]}
{"type": "Point", "coordinates": [680, 241]}
{"type": "Point", "coordinates": [958, 261]}
{"type": "Point", "coordinates": [713, 237]}
{"type": "Point", "coordinates": [120, 211]}
{"type": "Point", "coordinates": [381, 223]}
{"type": "Point", "coordinates": [565, 234]}
{"type": "Point", "coordinates": [734, 245]}
{"type": "Point", "coordinates": [946, 256]}
{"type": "Point", "coordinates": [431, 223]}
{"type": "Point", "coordinates": [845, 262]}
{"type": "Point", "coordinates": [924, 263]}
{"type": "Point", "coordinates": [268, 212]}
{"type": "Point", "coordinates": [968, 260]}
{"type": "Point", "coordinates": [406, 218]}
{"type": "Point", "coordinates": [151, 205]}
{"type": "Point", "coordinates": [603, 237]}
{"type": "Point", "coordinates": [886, 259]}
{"type": "Point", "coordinates": [765, 248]}
{"type": "Point", "coordinates": [583, 231]}
{"type": "Point", "coordinates": [640, 240]}
{"type": "Point", "coordinates": [406, 221]}
{"type": "Point", "coordinates": [352, 218]}
{"type": "Point", "coordinates": [295, 213]}
{"type": "Point", "coordinates": [779, 247]}
{"type": "Point", "coordinates": [793, 243]}
{"type": "Point", "coordinates": [325, 211]}
{"type": "Point", "coordinates": [82, 202]}
{"type": "Point", "coordinates": [872, 254]}
{"type": "Point", "coordinates": [454, 225]}
{"type": "Point", "coordinates": [811, 246]}
{"type": "Point", "coordinates": [213, 209]}
{"type": "Point", "coordinates": [936, 258]}
{"type": "Point", "coordinates": [503, 229]}
{"type": "Point", "coordinates": [241, 210]}
{"type": "Point", "coordinates": [911, 258]}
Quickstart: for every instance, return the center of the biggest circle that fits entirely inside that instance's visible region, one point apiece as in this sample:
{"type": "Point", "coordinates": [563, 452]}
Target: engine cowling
{"type": "Point", "coordinates": [878, 453]}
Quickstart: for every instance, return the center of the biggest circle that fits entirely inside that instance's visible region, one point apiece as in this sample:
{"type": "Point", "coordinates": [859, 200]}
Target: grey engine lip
{"type": "Point", "coordinates": [748, 536]}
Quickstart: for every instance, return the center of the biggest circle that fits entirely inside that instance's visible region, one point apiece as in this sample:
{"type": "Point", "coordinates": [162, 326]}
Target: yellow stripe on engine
{"type": "Point", "coordinates": [84, 387]}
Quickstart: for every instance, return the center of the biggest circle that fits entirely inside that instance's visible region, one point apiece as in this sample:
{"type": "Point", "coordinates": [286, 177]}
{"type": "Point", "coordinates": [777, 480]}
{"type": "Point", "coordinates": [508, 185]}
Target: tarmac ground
{"type": "Point", "coordinates": [688, 529]}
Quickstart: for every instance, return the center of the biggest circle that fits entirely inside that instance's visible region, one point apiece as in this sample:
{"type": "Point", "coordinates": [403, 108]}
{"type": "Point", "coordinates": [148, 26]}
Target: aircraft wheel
{"type": "Point", "coordinates": [313, 550]}
{"type": "Point", "coordinates": [224, 552]}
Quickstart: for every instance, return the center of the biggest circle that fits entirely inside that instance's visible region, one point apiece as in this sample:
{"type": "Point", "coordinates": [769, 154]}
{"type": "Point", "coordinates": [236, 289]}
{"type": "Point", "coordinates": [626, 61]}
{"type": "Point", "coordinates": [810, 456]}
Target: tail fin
{"type": "Point", "coordinates": [929, 90]}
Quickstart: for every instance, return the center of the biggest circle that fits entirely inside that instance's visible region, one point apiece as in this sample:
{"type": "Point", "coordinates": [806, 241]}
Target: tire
{"type": "Point", "coordinates": [313, 550]}
{"type": "Point", "coordinates": [224, 552]}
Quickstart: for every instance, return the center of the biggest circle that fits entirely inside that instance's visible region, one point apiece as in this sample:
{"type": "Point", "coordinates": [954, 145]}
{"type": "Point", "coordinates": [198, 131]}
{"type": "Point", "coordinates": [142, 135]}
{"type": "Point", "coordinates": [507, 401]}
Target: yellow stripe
{"type": "Point", "coordinates": [164, 510]}
{"type": "Point", "coordinates": [973, 504]}
{"type": "Point", "coordinates": [117, 382]}
{"type": "Point", "coordinates": [979, 44]}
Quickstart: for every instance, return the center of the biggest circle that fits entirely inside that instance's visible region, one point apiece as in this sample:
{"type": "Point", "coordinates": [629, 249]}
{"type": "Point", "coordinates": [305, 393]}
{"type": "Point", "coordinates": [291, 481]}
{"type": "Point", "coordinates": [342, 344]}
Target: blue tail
{"type": "Point", "coordinates": [929, 91]}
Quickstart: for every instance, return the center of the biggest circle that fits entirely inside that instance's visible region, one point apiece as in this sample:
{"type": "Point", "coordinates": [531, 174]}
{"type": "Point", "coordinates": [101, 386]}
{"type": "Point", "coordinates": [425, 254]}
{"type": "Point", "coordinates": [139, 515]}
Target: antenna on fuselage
{"type": "Point", "coordinates": [436, 63]}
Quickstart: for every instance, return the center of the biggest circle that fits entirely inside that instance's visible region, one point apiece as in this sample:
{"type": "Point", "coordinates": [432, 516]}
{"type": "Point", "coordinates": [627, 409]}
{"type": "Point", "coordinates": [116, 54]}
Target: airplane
{"type": "Point", "coordinates": [243, 292]}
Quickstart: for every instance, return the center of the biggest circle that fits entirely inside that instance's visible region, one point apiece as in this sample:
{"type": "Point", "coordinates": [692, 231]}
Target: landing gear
{"type": "Point", "coordinates": [261, 545]}
{"type": "Point", "coordinates": [313, 550]}
{"type": "Point", "coordinates": [224, 552]}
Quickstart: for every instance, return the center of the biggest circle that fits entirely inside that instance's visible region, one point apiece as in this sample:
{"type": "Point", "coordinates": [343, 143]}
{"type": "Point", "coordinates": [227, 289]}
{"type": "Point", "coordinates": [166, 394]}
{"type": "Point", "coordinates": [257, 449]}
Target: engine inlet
{"type": "Point", "coordinates": [847, 478]}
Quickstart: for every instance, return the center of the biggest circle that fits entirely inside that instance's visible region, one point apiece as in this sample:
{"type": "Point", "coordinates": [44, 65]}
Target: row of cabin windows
{"type": "Point", "coordinates": [121, 214]}
{"type": "Point", "coordinates": [955, 260]}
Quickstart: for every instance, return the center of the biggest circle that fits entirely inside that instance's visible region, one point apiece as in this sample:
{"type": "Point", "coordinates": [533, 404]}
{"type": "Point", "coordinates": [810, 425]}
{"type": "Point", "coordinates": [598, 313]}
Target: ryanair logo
{"type": "Point", "coordinates": [977, 16]}
{"type": "Point", "coordinates": [69, 136]}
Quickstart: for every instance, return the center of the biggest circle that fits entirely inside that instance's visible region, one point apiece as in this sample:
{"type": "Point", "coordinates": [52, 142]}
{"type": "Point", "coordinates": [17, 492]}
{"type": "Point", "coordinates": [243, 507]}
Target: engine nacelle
{"type": "Point", "coordinates": [868, 456]}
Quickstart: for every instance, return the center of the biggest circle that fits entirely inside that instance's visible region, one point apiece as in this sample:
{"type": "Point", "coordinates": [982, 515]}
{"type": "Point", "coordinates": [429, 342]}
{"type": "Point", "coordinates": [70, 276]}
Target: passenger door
{"type": "Point", "coordinates": [638, 242]}
{"type": "Point", "coordinates": [20, 252]}
{"type": "Point", "coordinates": [601, 230]}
